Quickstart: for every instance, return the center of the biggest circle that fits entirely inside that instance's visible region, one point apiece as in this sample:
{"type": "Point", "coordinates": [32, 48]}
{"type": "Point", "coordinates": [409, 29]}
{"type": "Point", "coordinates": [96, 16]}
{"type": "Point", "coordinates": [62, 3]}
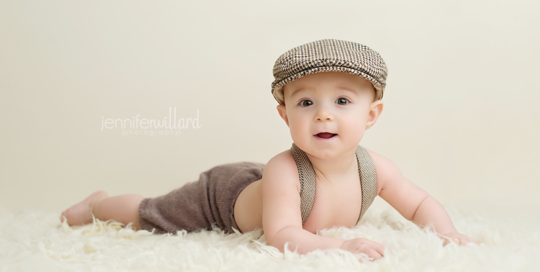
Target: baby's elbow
{"type": "Point", "coordinates": [276, 243]}
{"type": "Point", "coordinates": [272, 239]}
{"type": "Point", "coordinates": [281, 248]}
{"type": "Point", "coordinates": [277, 239]}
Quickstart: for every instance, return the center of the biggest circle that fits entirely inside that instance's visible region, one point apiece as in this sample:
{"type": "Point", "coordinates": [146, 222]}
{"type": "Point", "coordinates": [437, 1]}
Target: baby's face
{"type": "Point", "coordinates": [327, 113]}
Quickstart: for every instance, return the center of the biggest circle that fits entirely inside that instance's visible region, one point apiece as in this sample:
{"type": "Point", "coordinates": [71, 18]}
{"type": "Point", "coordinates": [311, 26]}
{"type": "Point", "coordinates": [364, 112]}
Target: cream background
{"type": "Point", "coordinates": [461, 105]}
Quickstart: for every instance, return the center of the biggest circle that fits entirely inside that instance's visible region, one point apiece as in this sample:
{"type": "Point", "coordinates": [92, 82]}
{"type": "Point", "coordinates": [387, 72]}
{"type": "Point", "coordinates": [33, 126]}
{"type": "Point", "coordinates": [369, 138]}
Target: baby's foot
{"type": "Point", "coordinates": [81, 213]}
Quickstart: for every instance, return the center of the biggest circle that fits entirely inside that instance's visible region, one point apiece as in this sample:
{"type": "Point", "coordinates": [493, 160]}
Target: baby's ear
{"type": "Point", "coordinates": [283, 113]}
{"type": "Point", "coordinates": [375, 110]}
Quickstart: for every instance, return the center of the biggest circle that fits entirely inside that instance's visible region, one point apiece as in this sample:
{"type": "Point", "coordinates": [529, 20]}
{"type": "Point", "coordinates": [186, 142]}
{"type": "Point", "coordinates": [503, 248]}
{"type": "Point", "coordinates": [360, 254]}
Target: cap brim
{"type": "Point", "coordinates": [277, 90]}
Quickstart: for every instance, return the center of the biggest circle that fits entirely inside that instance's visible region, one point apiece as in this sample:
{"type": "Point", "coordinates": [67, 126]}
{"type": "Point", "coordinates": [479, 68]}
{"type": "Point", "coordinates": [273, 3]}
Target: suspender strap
{"type": "Point", "coordinates": [307, 181]}
{"type": "Point", "coordinates": [368, 179]}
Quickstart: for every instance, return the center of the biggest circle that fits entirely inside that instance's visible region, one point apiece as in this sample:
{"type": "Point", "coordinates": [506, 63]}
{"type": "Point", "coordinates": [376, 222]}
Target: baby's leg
{"type": "Point", "coordinates": [121, 208]}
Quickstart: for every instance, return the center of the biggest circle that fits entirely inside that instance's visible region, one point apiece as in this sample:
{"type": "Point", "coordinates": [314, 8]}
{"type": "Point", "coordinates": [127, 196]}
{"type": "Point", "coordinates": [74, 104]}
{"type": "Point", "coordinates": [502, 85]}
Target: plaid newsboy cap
{"type": "Point", "coordinates": [329, 55]}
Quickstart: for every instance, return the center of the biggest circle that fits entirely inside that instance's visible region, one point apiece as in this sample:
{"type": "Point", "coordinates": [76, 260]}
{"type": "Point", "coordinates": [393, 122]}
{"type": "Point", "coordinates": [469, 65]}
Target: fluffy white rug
{"type": "Point", "coordinates": [35, 241]}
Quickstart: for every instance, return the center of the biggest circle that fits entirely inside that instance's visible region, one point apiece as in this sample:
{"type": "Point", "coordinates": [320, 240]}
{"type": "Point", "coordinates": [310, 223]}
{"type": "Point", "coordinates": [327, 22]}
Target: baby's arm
{"type": "Point", "coordinates": [282, 219]}
{"type": "Point", "coordinates": [412, 202]}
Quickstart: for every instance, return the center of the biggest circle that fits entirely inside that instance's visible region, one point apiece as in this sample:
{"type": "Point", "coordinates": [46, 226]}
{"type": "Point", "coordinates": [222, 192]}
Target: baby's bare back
{"type": "Point", "coordinates": [337, 200]}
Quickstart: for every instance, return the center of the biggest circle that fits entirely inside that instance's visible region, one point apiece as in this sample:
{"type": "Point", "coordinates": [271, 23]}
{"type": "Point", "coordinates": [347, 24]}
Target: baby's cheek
{"type": "Point", "coordinates": [298, 132]}
{"type": "Point", "coordinates": [359, 136]}
{"type": "Point", "coordinates": [355, 130]}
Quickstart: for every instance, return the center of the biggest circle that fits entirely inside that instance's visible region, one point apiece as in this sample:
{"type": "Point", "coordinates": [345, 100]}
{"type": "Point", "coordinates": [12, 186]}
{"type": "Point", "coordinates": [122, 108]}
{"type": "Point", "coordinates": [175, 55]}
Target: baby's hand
{"type": "Point", "coordinates": [360, 245]}
{"type": "Point", "coordinates": [458, 238]}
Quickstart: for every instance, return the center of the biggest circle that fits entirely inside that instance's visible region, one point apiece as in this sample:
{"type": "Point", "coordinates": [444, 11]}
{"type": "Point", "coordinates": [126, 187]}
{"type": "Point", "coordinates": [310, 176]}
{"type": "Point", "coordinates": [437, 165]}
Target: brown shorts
{"type": "Point", "coordinates": [199, 204]}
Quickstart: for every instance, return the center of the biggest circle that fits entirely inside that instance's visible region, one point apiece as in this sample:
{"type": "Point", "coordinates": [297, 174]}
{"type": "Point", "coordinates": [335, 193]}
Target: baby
{"type": "Point", "coordinates": [329, 94]}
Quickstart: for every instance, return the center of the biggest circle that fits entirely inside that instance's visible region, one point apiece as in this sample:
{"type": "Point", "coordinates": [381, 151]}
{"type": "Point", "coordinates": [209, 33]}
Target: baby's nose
{"type": "Point", "coordinates": [324, 114]}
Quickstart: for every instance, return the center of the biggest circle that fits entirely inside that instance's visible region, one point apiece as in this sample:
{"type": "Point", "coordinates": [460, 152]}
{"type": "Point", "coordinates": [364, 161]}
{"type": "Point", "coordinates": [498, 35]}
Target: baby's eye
{"type": "Point", "coordinates": [305, 103]}
{"type": "Point", "coordinates": [342, 101]}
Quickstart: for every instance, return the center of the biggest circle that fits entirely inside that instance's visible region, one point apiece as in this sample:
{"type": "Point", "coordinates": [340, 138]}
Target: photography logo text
{"type": "Point", "coordinates": [169, 125]}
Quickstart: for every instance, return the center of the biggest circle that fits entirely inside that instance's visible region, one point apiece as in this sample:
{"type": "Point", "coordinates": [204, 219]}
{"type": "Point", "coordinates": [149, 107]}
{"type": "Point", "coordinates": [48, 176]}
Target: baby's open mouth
{"type": "Point", "coordinates": [325, 135]}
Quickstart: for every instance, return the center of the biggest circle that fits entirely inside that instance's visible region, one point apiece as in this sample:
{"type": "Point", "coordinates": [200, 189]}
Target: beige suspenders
{"type": "Point", "coordinates": [366, 170]}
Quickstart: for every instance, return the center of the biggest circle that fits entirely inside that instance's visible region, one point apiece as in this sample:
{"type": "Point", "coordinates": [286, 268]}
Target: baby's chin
{"type": "Point", "coordinates": [327, 151]}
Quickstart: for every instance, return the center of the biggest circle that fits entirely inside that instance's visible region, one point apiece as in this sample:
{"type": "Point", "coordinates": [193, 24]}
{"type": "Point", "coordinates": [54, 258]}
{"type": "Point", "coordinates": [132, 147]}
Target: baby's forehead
{"type": "Point", "coordinates": [328, 81]}
{"type": "Point", "coordinates": [295, 90]}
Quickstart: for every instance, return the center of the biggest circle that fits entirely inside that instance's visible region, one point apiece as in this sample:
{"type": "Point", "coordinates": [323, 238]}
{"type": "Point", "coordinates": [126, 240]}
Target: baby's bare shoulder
{"type": "Point", "coordinates": [385, 169]}
{"type": "Point", "coordinates": [281, 168]}
{"type": "Point", "coordinates": [395, 189]}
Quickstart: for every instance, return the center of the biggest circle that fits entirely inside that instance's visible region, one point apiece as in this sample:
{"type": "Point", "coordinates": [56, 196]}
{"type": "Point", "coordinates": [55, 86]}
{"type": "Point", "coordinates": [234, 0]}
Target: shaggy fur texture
{"type": "Point", "coordinates": [36, 241]}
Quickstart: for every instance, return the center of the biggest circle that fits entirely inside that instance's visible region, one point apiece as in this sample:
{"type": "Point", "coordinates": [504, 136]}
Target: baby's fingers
{"type": "Point", "coordinates": [374, 254]}
{"type": "Point", "coordinates": [447, 241]}
{"type": "Point", "coordinates": [467, 240]}
{"type": "Point", "coordinates": [463, 240]}
{"type": "Point", "coordinates": [379, 249]}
